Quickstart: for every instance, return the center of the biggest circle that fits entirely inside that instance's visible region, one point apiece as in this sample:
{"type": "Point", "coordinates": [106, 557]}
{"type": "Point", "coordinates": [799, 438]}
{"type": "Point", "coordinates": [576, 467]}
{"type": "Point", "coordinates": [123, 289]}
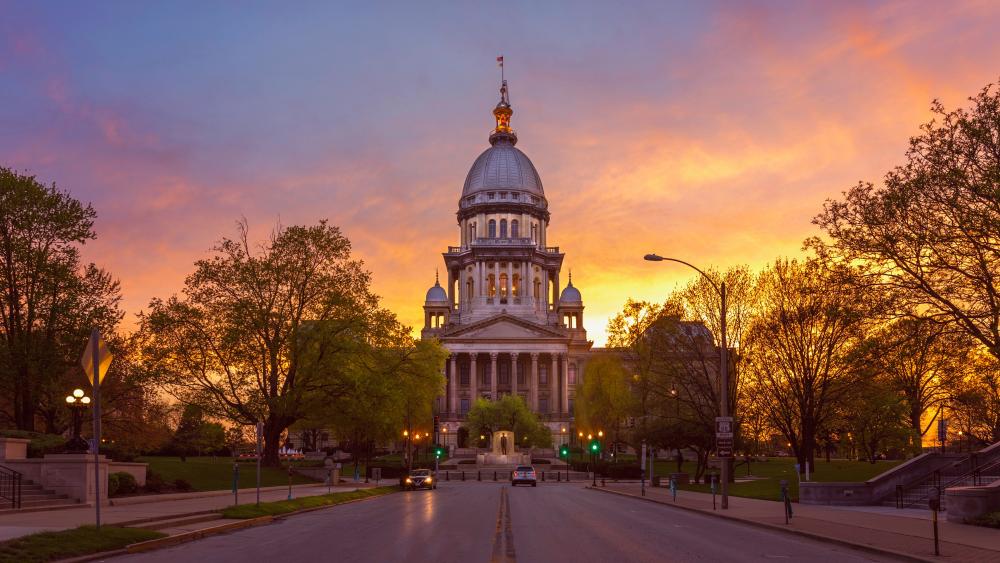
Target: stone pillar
{"type": "Point", "coordinates": [528, 284]}
{"type": "Point", "coordinates": [513, 373]}
{"type": "Point", "coordinates": [510, 281]}
{"type": "Point", "coordinates": [493, 375]}
{"type": "Point", "coordinates": [473, 379]}
{"type": "Point", "coordinates": [554, 385]}
{"type": "Point", "coordinates": [453, 386]}
{"type": "Point", "coordinates": [533, 383]}
{"type": "Point", "coordinates": [565, 382]}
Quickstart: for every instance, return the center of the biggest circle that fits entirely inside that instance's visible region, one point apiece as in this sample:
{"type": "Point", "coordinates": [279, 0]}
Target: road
{"type": "Point", "coordinates": [494, 522]}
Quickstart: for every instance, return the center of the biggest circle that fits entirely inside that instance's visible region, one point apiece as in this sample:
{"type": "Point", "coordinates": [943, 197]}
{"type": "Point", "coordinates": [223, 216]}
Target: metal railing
{"type": "Point", "coordinates": [938, 482]}
{"type": "Point", "coordinates": [10, 487]}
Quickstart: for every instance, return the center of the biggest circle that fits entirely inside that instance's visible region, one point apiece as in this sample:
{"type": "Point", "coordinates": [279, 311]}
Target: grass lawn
{"type": "Point", "coordinates": [214, 474]}
{"type": "Point", "coordinates": [775, 469]}
{"type": "Point", "coordinates": [286, 506]}
{"type": "Point", "coordinates": [49, 546]}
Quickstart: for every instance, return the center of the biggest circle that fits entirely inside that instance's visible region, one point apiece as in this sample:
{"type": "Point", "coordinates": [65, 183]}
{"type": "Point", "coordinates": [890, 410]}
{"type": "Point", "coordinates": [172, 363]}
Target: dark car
{"type": "Point", "coordinates": [420, 479]}
{"type": "Point", "coordinates": [523, 474]}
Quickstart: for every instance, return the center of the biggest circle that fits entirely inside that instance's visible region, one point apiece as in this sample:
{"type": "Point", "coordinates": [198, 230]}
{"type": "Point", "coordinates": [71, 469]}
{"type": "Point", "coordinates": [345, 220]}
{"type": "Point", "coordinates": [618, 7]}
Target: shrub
{"type": "Point", "coordinates": [154, 482]}
{"type": "Point", "coordinates": [182, 485]}
{"type": "Point", "coordinates": [127, 484]}
{"type": "Point", "coordinates": [40, 444]}
{"type": "Point", "coordinates": [990, 520]}
{"type": "Point", "coordinates": [113, 484]}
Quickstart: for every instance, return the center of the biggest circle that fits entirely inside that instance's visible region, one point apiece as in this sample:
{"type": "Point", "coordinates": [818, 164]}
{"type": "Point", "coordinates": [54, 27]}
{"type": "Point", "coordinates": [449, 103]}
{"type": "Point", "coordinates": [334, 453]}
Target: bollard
{"type": "Point", "coordinates": [786, 500]}
{"type": "Point", "coordinates": [559, 477]}
{"type": "Point", "coordinates": [713, 492]}
{"type": "Point", "coordinates": [479, 475]}
{"type": "Point", "coordinates": [673, 488]}
{"type": "Point", "coordinates": [543, 476]}
{"type": "Point", "coordinates": [494, 475]}
{"type": "Point", "coordinates": [935, 505]}
{"type": "Point", "coordinates": [463, 475]}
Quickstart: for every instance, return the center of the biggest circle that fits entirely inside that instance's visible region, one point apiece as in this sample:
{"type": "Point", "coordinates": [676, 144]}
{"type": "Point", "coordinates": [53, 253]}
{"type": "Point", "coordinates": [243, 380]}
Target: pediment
{"type": "Point", "coordinates": [503, 327]}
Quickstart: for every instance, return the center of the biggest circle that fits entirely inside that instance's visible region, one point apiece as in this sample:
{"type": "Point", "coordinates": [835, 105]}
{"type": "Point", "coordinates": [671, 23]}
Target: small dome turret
{"type": "Point", "coordinates": [436, 294]}
{"type": "Point", "coordinates": [570, 295]}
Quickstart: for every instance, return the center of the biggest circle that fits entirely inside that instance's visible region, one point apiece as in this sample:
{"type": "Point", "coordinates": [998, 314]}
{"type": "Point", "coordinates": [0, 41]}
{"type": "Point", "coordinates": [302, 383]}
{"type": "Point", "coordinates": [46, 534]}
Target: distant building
{"type": "Point", "coordinates": [509, 323]}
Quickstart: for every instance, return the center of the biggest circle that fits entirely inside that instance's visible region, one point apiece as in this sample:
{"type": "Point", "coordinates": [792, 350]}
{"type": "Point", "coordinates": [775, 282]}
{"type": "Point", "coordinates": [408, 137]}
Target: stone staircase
{"type": "Point", "coordinates": [35, 497]}
{"type": "Point", "coordinates": [979, 469]}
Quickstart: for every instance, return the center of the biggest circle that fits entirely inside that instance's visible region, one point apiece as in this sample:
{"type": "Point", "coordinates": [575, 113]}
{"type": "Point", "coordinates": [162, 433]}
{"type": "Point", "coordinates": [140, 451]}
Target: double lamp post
{"type": "Point", "coordinates": [724, 361]}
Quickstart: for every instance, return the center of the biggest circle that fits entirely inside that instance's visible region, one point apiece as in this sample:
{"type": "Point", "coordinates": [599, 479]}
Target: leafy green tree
{"type": "Point", "coordinates": [49, 300]}
{"type": "Point", "coordinates": [261, 330]}
{"type": "Point", "coordinates": [509, 413]}
{"type": "Point", "coordinates": [607, 398]}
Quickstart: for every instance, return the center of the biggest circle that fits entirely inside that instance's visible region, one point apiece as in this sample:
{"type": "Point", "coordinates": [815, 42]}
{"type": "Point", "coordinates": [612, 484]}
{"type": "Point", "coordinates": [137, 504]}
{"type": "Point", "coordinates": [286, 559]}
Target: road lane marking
{"type": "Point", "coordinates": [503, 538]}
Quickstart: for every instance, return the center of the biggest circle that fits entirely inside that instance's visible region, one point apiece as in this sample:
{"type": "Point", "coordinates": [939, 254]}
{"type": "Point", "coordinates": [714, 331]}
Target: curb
{"type": "Point", "coordinates": [145, 499]}
{"type": "Point", "coordinates": [196, 534]}
{"type": "Point", "coordinates": [765, 525]}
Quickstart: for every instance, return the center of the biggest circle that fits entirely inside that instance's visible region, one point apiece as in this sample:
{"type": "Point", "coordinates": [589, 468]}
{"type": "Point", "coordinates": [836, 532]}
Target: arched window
{"type": "Point", "coordinates": [538, 289]}
{"type": "Point", "coordinates": [471, 287]}
{"type": "Point", "coordinates": [503, 286]}
{"type": "Point", "coordinates": [493, 228]}
{"type": "Point", "coordinates": [503, 228]}
{"type": "Point", "coordinates": [534, 232]}
{"type": "Point", "coordinates": [493, 286]}
{"type": "Point", "coordinates": [517, 285]}
{"type": "Point", "coordinates": [514, 231]}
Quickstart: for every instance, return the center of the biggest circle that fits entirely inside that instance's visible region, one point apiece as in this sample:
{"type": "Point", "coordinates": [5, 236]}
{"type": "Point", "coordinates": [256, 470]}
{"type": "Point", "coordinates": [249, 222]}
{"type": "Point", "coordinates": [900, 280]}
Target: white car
{"type": "Point", "coordinates": [523, 474]}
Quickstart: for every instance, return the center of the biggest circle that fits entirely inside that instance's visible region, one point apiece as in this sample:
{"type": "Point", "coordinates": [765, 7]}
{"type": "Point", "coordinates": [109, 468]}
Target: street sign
{"type": "Point", "coordinates": [723, 427]}
{"type": "Point", "coordinates": [103, 357]}
{"type": "Point", "coordinates": [724, 447]}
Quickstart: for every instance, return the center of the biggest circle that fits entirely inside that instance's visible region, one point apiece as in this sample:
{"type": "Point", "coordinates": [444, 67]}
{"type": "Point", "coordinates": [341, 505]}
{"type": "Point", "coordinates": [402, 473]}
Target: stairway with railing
{"type": "Point", "coordinates": [978, 469]}
{"type": "Point", "coordinates": [10, 488]}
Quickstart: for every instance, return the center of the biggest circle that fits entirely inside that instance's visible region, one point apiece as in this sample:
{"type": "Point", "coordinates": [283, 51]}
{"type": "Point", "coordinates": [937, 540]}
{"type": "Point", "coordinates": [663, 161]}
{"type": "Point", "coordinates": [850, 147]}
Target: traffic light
{"type": "Point", "coordinates": [438, 451]}
{"type": "Point", "coordinates": [564, 451]}
{"type": "Point", "coordinates": [595, 447]}
{"type": "Point", "coordinates": [437, 424]}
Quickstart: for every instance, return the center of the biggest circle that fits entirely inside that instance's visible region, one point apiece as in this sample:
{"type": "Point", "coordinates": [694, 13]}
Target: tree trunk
{"type": "Point", "coordinates": [272, 442]}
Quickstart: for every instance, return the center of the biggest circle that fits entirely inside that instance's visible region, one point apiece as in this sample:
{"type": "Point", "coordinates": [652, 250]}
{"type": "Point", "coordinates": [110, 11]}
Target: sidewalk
{"type": "Point", "coordinates": [15, 525]}
{"type": "Point", "coordinates": [908, 534]}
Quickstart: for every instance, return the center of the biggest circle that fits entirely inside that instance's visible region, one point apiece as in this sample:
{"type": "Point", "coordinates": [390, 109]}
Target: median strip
{"type": "Point", "coordinates": [301, 504]}
{"type": "Point", "coordinates": [82, 541]}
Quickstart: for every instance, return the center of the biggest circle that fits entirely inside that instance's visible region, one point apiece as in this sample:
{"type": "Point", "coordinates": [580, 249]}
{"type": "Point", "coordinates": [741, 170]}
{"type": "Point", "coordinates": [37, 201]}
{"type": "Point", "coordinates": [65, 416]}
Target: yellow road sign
{"type": "Point", "coordinates": [103, 357]}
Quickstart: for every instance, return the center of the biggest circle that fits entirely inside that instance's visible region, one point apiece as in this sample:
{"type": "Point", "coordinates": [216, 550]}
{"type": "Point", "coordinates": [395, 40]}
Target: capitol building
{"type": "Point", "coordinates": [502, 309]}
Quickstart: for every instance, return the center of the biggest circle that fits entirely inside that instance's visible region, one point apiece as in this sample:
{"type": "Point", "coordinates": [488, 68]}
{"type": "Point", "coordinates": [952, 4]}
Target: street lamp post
{"type": "Point", "coordinates": [724, 359]}
{"type": "Point", "coordinates": [77, 402]}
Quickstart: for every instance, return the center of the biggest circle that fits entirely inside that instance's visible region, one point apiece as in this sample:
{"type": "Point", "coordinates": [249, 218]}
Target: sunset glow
{"type": "Point", "coordinates": [707, 134]}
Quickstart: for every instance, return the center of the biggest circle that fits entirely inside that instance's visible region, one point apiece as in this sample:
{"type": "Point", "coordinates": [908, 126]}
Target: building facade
{"type": "Point", "coordinates": [510, 325]}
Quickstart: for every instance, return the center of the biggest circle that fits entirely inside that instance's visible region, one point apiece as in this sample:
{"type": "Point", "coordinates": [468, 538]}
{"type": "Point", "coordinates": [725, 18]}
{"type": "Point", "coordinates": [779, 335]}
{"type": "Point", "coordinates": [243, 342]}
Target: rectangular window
{"type": "Point", "coordinates": [464, 406]}
{"type": "Point", "coordinates": [543, 404]}
{"type": "Point", "coordinates": [572, 374]}
{"type": "Point", "coordinates": [571, 405]}
{"type": "Point", "coordinates": [463, 377]}
{"type": "Point", "coordinates": [521, 377]}
{"type": "Point", "coordinates": [504, 370]}
{"type": "Point", "coordinates": [543, 374]}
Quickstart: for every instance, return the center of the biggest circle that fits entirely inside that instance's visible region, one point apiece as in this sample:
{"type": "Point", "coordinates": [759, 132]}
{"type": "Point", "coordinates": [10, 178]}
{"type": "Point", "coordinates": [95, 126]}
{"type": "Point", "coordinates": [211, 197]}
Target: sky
{"type": "Point", "coordinates": [711, 132]}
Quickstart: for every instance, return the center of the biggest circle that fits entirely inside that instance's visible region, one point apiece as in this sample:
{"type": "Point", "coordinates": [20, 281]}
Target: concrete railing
{"type": "Point", "coordinates": [879, 488]}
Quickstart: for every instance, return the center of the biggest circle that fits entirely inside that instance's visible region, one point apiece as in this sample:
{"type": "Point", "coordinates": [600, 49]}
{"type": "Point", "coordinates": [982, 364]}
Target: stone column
{"type": "Point", "coordinates": [473, 378]}
{"type": "Point", "coordinates": [453, 386]}
{"type": "Point", "coordinates": [513, 373]}
{"type": "Point", "coordinates": [533, 383]}
{"type": "Point", "coordinates": [565, 381]}
{"type": "Point", "coordinates": [554, 385]}
{"type": "Point", "coordinates": [528, 284]}
{"type": "Point", "coordinates": [493, 375]}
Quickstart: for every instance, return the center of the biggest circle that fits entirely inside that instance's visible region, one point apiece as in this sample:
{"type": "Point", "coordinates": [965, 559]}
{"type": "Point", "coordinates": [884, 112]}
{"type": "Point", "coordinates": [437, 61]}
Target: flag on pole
{"type": "Point", "coordinates": [500, 61]}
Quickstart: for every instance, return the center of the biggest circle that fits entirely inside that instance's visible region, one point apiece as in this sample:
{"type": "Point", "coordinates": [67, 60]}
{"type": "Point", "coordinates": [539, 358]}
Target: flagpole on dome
{"type": "Point", "coordinates": [500, 64]}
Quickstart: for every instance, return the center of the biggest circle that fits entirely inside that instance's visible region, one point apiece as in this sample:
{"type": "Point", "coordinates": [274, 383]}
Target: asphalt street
{"type": "Point", "coordinates": [495, 522]}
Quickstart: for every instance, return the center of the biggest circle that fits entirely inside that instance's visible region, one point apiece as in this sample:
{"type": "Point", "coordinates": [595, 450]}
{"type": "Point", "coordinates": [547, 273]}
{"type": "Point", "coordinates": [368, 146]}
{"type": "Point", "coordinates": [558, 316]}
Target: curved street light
{"type": "Point", "coordinates": [724, 358]}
